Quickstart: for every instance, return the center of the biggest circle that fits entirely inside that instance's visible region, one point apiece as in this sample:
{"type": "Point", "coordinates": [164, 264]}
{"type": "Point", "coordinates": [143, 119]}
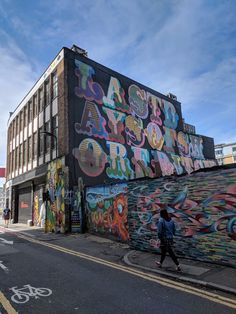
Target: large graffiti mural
{"type": "Point", "coordinates": [55, 220]}
{"type": "Point", "coordinates": [107, 210]}
{"type": "Point", "coordinates": [122, 131]}
{"type": "Point", "coordinates": [203, 206]}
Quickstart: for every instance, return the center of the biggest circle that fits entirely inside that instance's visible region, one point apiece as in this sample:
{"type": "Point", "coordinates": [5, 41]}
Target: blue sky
{"type": "Point", "coordinates": [187, 47]}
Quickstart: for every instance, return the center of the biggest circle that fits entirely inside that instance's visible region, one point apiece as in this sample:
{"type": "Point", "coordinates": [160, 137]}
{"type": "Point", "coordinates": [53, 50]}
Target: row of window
{"type": "Point", "coordinates": [41, 99]}
{"type": "Point", "coordinates": [220, 151]}
{"type": "Point", "coordinates": [35, 146]}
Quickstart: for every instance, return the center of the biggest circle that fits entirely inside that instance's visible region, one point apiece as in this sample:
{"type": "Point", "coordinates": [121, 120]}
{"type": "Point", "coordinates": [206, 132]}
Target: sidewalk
{"type": "Point", "coordinates": [206, 275]}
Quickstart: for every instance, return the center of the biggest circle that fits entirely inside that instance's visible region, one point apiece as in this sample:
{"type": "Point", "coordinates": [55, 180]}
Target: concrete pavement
{"type": "Point", "coordinates": [207, 275]}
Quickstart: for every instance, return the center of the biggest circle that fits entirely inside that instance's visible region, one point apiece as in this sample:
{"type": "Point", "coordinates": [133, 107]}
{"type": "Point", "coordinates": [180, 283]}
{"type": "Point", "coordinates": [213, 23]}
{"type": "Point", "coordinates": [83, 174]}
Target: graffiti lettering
{"type": "Point", "coordinates": [154, 103]}
{"type": "Point", "coordinates": [92, 123]}
{"type": "Point", "coordinates": [154, 136]}
{"type": "Point", "coordinates": [116, 125]}
{"type": "Point", "coordinates": [171, 116]}
{"type": "Point", "coordinates": [119, 164]}
{"type": "Point", "coordinates": [115, 96]}
{"type": "Point", "coordinates": [91, 157]}
{"type": "Point", "coordinates": [134, 131]}
{"type": "Point", "coordinates": [138, 102]}
{"type": "Point", "coordinates": [87, 88]}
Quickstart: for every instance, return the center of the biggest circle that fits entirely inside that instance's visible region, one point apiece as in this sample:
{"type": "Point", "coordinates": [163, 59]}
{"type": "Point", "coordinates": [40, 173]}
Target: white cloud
{"type": "Point", "coordinates": [16, 79]}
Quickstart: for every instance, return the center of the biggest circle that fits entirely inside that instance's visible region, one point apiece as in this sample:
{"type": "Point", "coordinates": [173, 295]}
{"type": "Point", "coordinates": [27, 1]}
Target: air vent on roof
{"type": "Point", "coordinates": [79, 50]}
{"type": "Point", "coordinates": [172, 96]}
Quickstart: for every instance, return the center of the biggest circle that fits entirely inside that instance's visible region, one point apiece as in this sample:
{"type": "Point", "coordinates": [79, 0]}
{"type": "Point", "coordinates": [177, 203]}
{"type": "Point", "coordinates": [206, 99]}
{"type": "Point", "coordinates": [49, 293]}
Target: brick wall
{"type": "Point", "coordinates": [63, 135]}
{"type": "Point", "coordinates": [202, 204]}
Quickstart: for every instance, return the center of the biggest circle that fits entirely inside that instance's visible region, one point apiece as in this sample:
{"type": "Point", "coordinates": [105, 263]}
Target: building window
{"type": "Point", "coordinates": [54, 130]}
{"type": "Point", "coordinates": [54, 85]}
{"type": "Point", "coordinates": [13, 161]}
{"type": "Point", "coordinates": [35, 106]}
{"type": "Point", "coordinates": [41, 140]}
{"type": "Point", "coordinates": [29, 149]}
{"type": "Point", "coordinates": [17, 125]}
{"type": "Point", "coordinates": [20, 156]}
{"type": "Point", "coordinates": [40, 100]}
{"type": "Point", "coordinates": [21, 120]}
{"type": "Point", "coordinates": [35, 142]}
{"type": "Point", "coordinates": [24, 153]}
{"type": "Point", "coordinates": [47, 93]}
{"type": "Point", "coordinates": [16, 158]}
{"type": "Point", "coordinates": [47, 138]}
{"type": "Point", "coordinates": [219, 152]}
{"type": "Point", "coordinates": [25, 116]}
{"type": "Point", "coordinates": [14, 128]}
{"type": "Point", "coordinates": [30, 111]}
{"type": "Point", "coordinates": [9, 133]}
{"type": "Point", "coordinates": [234, 149]}
{"type": "Point", "coordinates": [9, 163]}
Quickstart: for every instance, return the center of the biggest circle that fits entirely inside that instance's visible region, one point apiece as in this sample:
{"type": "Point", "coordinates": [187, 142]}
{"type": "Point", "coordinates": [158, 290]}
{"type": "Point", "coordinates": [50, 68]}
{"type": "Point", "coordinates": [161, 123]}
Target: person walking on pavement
{"type": "Point", "coordinates": [166, 232]}
{"type": "Point", "coordinates": [6, 215]}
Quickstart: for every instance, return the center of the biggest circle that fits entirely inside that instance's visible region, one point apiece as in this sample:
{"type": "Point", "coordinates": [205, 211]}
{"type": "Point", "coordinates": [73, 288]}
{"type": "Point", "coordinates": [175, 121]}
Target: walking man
{"type": "Point", "coordinates": [166, 232]}
{"type": "Point", "coordinates": [6, 216]}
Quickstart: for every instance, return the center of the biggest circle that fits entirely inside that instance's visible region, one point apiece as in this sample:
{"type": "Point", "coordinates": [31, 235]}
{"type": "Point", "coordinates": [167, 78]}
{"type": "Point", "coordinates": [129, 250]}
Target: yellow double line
{"type": "Point", "coordinates": [6, 304]}
{"type": "Point", "coordinates": [147, 276]}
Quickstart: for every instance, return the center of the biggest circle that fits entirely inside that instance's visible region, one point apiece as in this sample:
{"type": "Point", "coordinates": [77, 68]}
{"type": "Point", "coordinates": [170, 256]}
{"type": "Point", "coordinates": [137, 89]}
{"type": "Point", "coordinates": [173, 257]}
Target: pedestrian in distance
{"type": "Point", "coordinates": [166, 232]}
{"type": "Point", "coordinates": [6, 216]}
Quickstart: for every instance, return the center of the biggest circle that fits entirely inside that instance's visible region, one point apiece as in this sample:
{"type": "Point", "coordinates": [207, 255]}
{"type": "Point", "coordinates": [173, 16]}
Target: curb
{"type": "Point", "coordinates": [202, 283]}
{"type": "Point", "coordinates": [49, 237]}
{"type": "Point", "coordinates": [25, 233]}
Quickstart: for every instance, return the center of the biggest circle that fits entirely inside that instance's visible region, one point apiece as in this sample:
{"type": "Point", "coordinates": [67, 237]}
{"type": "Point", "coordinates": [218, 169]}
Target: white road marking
{"type": "Point", "coordinates": [22, 295]}
{"type": "Point", "coordinates": [3, 267]}
{"type": "Point", "coordinates": [148, 276]}
{"type": "Point", "coordinates": [3, 241]}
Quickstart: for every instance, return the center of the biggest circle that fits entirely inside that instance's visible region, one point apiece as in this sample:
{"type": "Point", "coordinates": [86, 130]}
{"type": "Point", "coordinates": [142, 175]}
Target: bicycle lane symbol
{"type": "Point", "coordinates": [23, 295]}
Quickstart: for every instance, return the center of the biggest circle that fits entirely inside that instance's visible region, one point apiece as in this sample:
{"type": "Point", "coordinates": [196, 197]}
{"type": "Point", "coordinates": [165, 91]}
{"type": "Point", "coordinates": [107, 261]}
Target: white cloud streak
{"type": "Point", "coordinates": [16, 79]}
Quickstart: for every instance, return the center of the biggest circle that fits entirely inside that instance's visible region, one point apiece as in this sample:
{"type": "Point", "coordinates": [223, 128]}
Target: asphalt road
{"type": "Point", "coordinates": [75, 282]}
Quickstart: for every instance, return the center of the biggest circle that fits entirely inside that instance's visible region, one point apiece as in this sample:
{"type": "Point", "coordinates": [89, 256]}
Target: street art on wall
{"type": "Point", "coordinates": [107, 210]}
{"type": "Point", "coordinates": [203, 205]}
{"type": "Point", "coordinates": [126, 132]}
{"type": "Point", "coordinates": [36, 208]}
{"type": "Point", "coordinates": [72, 198]}
{"type": "Point", "coordinates": [55, 221]}
{"type": "Point", "coordinates": [38, 199]}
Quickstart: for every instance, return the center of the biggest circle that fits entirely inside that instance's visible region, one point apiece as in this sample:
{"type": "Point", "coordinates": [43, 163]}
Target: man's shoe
{"type": "Point", "coordinates": [158, 264]}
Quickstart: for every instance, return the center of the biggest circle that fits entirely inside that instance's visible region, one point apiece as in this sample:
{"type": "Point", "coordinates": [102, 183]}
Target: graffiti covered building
{"type": "Point", "coordinates": [122, 130]}
{"type": "Point", "coordinates": [83, 124]}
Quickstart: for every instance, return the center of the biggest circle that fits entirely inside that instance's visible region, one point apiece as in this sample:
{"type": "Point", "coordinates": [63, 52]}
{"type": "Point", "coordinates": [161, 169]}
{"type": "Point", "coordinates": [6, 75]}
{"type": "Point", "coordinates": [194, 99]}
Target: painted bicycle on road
{"type": "Point", "coordinates": [22, 295]}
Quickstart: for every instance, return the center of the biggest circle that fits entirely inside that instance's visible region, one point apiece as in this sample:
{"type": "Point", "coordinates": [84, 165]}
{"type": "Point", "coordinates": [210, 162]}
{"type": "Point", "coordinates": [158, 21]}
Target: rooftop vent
{"type": "Point", "coordinates": [79, 50]}
{"type": "Point", "coordinates": [172, 96]}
